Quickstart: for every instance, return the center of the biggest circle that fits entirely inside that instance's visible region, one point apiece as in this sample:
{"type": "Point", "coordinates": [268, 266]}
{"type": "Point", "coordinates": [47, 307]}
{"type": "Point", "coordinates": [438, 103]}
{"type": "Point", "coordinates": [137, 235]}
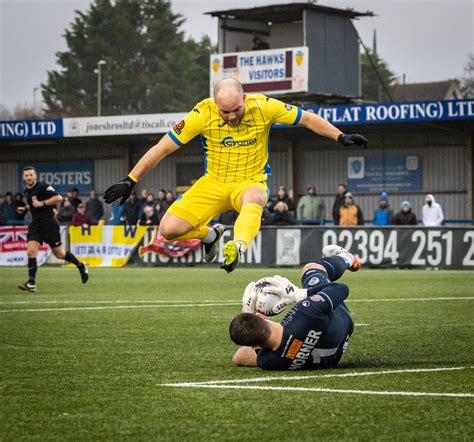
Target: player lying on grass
{"type": "Point", "coordinates": [315, 332]}
{"type": "Point", "coordinates": [234, 130]}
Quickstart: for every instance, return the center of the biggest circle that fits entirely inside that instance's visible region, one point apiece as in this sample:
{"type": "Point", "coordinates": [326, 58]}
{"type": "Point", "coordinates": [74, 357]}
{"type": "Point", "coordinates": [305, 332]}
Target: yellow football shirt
{"type": "Point", "coordinates": [233, 154]}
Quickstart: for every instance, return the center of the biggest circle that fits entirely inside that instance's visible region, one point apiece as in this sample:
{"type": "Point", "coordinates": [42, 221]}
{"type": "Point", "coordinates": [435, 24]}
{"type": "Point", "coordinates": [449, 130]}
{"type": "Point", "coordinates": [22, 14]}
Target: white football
{"type": "Point", "coordinates": [265, 301]}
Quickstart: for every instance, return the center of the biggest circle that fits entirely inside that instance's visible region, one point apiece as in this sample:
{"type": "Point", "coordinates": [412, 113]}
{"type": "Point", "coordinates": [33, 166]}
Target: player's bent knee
{"type": "Point", "coordinates": [59, 253]}
{"type": "Point", "coordinates": [167, 234]}
{"type": "Point", "coordinates": [312, 265]}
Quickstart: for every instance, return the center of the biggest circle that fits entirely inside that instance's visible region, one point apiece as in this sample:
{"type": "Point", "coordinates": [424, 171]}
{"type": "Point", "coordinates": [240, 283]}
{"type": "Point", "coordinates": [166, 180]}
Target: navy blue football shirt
{"type": "Point", "coordinates": [316, 330]}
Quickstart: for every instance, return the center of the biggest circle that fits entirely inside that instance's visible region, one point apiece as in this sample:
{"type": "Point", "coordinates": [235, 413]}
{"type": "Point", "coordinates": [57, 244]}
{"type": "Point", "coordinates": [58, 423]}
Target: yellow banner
{"type": "Point", "coordinates": [105, 246]}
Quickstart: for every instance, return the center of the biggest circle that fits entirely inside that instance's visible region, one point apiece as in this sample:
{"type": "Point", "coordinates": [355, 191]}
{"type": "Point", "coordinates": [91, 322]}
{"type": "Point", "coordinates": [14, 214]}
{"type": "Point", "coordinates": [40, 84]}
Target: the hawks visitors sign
{"type": "Point", "coordinates": [270, 71]}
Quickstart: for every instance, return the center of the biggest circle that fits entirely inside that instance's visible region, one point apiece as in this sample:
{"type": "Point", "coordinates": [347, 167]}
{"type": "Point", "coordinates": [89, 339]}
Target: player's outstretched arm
{"type": "Point", "coordinates": [147, 162]}
{"type": "Point", "coordinates": [324, 128]}
{"type": "Point", "coordinates": [153, 157]}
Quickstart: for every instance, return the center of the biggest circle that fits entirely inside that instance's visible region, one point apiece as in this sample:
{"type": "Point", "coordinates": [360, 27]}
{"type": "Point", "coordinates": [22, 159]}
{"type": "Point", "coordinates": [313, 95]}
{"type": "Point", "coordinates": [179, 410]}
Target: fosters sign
{"type": "Point", "coordinates": [276, 70]}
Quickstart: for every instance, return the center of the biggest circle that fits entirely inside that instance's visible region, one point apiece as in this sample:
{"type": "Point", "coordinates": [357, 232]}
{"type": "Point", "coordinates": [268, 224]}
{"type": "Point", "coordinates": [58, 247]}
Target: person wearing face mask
{"type": "Point", "coordinates": [405, 217]}
{"type": "Point", "coordinates": [432, 214]}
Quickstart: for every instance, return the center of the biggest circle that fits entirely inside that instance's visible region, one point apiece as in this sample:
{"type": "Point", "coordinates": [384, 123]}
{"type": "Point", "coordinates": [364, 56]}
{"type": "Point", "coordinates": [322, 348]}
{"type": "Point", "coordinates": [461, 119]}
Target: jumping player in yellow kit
{"type": "Point", "coordinates": [234, 130]}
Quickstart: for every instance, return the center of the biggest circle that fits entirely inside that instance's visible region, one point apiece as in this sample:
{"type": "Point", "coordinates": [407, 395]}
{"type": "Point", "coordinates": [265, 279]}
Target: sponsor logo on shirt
{"type": "Point", "coordinates": [288, 107]}
{"type": "Point", "coordinates": [294, 348]}
{"type": "Point", "coordinates": [304, 352]}
{"type": "Point", "coordinates": [230, 142]}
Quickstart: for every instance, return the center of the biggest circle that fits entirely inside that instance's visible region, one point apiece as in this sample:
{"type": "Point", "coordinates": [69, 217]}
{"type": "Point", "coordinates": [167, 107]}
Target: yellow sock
{"type": "Point", "coordinates": [247, 224]}
{"type": "Point", "coordinates": [198, 232]}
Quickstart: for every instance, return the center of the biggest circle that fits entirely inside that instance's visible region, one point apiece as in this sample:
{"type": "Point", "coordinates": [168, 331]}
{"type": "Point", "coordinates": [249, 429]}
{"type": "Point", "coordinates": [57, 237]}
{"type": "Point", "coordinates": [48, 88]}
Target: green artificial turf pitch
{"type": "Point", "coordinates": [88, 362]}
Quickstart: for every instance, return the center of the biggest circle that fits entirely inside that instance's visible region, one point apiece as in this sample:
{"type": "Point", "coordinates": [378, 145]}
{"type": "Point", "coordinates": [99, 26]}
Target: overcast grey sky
{"type": "Point", "coordinates": [428, 40]}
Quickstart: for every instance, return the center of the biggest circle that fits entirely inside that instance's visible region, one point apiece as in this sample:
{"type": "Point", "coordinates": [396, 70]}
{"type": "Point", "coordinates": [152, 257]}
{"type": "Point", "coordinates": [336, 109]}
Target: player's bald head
{"type": "Point", "coordinates": [228, 87]}
{"type": "Point", "coordinates": [229, 97]}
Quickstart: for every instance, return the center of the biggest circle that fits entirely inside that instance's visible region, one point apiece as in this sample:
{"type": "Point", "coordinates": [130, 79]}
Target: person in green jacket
{"type": "Point", "coordinates": [311, 207]}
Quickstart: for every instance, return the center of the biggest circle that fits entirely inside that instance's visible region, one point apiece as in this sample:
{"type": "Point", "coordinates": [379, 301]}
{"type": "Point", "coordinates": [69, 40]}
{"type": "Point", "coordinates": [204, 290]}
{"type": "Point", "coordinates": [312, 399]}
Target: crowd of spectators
{"type": "Point", "coordinates": [281, 210]}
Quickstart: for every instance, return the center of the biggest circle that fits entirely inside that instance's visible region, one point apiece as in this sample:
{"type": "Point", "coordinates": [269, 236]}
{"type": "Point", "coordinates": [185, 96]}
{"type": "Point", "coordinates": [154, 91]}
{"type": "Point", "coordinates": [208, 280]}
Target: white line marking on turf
{"type": "Point", "coordinates": [444, 298]}
{"type": "Point", "coordinates": [333, 390]}
{"type": "Point", "coordinates": [138, 301]}
{"type": "Point", "coordinates": [114, 307]}
{"type": "Point", "coordinates": [225, 384]}
{"type": "Point", "coordinates": [322, 376]}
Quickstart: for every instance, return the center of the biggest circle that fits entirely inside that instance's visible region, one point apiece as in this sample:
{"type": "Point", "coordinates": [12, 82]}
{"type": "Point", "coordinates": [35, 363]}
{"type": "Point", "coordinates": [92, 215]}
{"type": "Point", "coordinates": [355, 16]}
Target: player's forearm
{"type": "Point", "coordinates": [53, 200]}
{"type": "Point", "coordinates": [153, 157]}
{"type": "Point", "coordinates": [245, 357]}
{"type": "Point", "coordinates": [319, 125]}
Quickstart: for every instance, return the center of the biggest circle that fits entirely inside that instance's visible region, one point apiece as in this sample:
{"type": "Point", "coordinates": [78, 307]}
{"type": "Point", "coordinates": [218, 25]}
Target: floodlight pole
{"type": "Point", "coordinates": [100, 63]}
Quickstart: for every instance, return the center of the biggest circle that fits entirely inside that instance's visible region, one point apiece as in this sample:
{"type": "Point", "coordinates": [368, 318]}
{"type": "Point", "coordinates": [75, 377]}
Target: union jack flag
{"type": "Point", "coordinates": [13, 239]}
{"type": "Point", "coordinates": [11, 234]}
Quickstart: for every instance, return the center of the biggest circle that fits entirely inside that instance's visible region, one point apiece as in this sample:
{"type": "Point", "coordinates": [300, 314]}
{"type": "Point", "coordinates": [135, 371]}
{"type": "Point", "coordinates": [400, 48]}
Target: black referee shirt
{"type": "Point", "coordinates": [42, 191]}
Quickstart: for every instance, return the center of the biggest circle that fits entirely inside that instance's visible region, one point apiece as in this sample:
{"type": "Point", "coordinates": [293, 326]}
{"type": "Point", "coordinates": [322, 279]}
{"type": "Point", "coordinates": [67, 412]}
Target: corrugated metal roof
{"type": "Point", "coordinates": [285, 13]}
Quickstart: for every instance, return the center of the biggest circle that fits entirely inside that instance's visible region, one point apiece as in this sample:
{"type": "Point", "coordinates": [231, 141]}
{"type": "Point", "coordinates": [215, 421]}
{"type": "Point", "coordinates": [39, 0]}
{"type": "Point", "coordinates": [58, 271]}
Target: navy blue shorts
{"type": "Point", "coordinates": [315, 278]}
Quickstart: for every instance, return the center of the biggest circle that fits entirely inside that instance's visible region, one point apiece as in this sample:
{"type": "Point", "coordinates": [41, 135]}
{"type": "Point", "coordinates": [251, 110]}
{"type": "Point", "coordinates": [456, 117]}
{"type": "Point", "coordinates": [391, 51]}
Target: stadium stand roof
{"type": "Point", "coordinates": [438, 90]}
{"type": "Point", "coordinates": [284, 13]}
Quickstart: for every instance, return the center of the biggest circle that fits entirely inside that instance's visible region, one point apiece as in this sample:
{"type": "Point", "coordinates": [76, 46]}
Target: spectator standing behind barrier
{"type": "Point", "coordinates": [350, 214]}
{"type": "Point", "coordinates": [311, 207]}
{"type": "Point", "coordinates": [383, 216]}
{"type": "Point", "coordinates": [161, 197]}
{"type": "Point", "coordinates": [149, 217]}
{"type": "Point", "coordinates": [282, 196]}
{"type": "Point", "coordinates": [8, 208]}
{"type": "Point", "coordinates": [116, 214]}
{"type": "Point", "coordinates": [169, 199]}
{"type": "Point", "coordinates": [339, 202]}
{"type": "Point", "coordinates": [405, 217]}
{"type": "Point", "coordinates": [282, 216]}
{"type": "Point", "coordinates": [81, 218]}
{"type": "Point", "coordinates": [130, 210]}
{"type": "Point", "coordinates": [159, 211]}
{"type": "Point", "coordinates": [150, 200]}
{"type": "Point", "coordinates": [18, 202]}
{"type": "Point", "coordinates": [142, 200]}
{"type": "Point", "coordinates": [75, 200]}
{"type": "Point", "coordinates": [66, 212]}
{"type": "Point", "coordinates": [94, 207]}
{"type": "Point", "coordinates": [432, 214]}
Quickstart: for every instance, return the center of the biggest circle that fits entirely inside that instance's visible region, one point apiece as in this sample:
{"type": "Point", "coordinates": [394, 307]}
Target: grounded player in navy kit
{"type": "Point", "coordinates": [41, 199]}
{"type": "Point", "coordinates": [315, 332]}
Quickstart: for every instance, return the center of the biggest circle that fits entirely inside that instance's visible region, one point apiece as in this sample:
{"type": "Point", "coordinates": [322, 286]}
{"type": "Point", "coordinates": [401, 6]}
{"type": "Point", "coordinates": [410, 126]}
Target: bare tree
{"type": "Point", "coordinates": [5, 114]}
{"type": "Point", "coordinates": [26, 112]}
{"type": "Point", "coordinates": [467, 83]}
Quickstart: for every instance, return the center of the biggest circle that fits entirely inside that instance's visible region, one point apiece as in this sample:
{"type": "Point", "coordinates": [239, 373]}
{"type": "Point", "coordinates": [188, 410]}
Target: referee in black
{"type": "Point", "coordinates": [41, 198]}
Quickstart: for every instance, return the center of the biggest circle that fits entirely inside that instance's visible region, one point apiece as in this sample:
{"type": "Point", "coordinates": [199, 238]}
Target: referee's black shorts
{"type": "Point", "coordinates": [46, 231]}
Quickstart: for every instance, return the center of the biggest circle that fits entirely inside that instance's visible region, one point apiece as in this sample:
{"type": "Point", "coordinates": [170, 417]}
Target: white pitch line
{"type": "Point", "coordinates": [138, 301]}
{"type": "Point", "coordinates": [332, 390]}
{"type": "Point", "coordinates": [316, 376]}
{"type": "Point", "coordinates": [114, 307]}
{"type": "Point", "coordinates": [444, 298]}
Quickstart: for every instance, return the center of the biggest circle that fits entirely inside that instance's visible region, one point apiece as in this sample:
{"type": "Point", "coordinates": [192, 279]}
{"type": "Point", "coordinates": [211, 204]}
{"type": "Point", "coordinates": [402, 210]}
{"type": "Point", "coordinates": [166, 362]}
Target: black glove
{"type": "Point", "coordinates": [353, 139]}
{"type": "Point", "coordinates": [122, 189]}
